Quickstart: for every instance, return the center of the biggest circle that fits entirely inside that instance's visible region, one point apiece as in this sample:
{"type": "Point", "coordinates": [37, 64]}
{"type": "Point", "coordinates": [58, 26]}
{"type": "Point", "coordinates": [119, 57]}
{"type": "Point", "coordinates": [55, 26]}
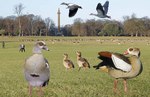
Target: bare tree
{"type": "Point", "coordinates": [77, 27]}
{"type": "Point", "coordinates": [18, 10]}
{"type": "Point", "coordinates": [47, 24]}
{"type": "Point", "coordinates": [9, 26]}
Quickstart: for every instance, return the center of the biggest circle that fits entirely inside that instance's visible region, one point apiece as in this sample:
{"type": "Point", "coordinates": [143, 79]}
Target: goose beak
{"type": "Point", "coordinates": [45, 48]}
{"type": "Point", "coordinates": [126, 53]}
{"type": "Point", "coordinates": [62, 3]}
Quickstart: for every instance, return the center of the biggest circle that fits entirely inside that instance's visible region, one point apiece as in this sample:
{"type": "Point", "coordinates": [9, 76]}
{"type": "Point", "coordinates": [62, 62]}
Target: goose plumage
{"type": "Point", "coordinates": [102, 10]}
{"type": "Point", "coordinates": [67, 63]}
{"type": "Point", "coordinates": [121, 66]}
{"type": "Point", "coordinates": [73, 8]}
{"type": "Point", "coordinates": [82, 62]}
{"type": "Point", "coordinates": [36, 68]}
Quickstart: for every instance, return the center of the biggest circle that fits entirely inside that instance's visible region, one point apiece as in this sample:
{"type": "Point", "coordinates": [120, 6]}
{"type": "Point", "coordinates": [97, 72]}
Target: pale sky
{"type": "Point", "coordinates": [48, 8]}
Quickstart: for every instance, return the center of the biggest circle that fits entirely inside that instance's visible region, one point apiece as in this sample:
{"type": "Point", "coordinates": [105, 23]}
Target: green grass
{"type": "Point", "coordinates": [71, 83]}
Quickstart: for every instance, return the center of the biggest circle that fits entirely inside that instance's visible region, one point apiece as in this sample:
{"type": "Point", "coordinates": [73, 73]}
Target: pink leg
{"type": "Point", "coordinates": [30, 90]}
{"type": "Point", "coordinates": [115, 85]}
{"type": "Point", "coordinates": [125, 85]}
{"type": "Point", "coordinates": [40, 93]}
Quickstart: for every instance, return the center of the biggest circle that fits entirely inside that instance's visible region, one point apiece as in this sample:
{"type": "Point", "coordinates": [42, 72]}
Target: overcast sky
{"type": "Point", "coordinates": [48, 8]}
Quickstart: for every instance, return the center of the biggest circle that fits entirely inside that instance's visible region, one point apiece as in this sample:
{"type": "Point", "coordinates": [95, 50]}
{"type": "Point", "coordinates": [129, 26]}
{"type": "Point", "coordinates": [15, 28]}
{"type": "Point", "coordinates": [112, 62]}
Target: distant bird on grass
{"type": "Point", "coordinates": [82, 62]}
{"type": "Point", "coordinates": [102, 10]}
{"type": "Point", "coordinates": [22, 48]}
{"type": "Point", "coordinates": [73, 8]}
{"type": "Point", "coordinates": [120, 66]}
{"type": "Point", "coordinates": [36, 68]}
{"type": "Point", "coordinates": [67, 63]}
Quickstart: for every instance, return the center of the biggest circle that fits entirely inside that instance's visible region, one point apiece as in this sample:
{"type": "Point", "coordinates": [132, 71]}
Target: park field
{"type": "Point", "coordinates": [72, 83]}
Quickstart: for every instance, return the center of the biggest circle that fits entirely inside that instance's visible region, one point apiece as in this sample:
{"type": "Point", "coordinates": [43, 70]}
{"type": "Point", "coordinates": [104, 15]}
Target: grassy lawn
{"type": "Point", "coordinates": [71, 83]}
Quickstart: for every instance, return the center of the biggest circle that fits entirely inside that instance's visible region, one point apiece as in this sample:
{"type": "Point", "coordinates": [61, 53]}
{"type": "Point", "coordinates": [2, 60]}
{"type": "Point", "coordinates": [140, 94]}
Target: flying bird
{"type": "Point", "coordinates": [73, 8]}
{"type": "Point", "coordinates": [36, 68]}
{"type": "Point", "coordinates": [121, 66]}
{"type": "Point", "coordinates": [102, 10]}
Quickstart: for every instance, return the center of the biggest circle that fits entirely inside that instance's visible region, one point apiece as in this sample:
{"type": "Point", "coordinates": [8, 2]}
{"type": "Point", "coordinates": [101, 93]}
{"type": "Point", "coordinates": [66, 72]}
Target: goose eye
{"type": "Point", "coordinates": [131, 49]}
{"type": "Point", "coordinates": [41, 44]}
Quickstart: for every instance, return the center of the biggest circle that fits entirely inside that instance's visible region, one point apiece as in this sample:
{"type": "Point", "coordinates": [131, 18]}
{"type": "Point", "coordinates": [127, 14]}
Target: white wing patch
{"type": "Point", "coordinates": [47, 65]}
{"type": "Point", "coordinates": [120, 64]}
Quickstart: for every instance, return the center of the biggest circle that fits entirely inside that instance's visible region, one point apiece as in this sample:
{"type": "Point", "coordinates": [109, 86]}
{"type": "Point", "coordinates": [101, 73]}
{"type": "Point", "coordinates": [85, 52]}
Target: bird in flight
{"type": "Point", "coordinates": [102, 10]}
{"type": "Point", "coordinates": [73, 8]}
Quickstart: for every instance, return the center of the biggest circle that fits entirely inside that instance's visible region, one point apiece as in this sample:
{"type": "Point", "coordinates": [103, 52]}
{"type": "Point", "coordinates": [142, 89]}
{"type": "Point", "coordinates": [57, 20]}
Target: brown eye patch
{"type": "Point", "coordinates": [131, 49]}
{"type": "Point", "coordinates": [41, 43]}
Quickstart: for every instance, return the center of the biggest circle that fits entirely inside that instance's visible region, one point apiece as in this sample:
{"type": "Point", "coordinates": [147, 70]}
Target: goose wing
{"type": "Point", "coordinates": [68, 62]}
{"type": "Point", "coordinates": [84, 62]}
{"type": "Point", "coordinates": [106, 5]}
{"type": "Point", "coordinates": [115, 60]}
{"type": "Point", "coordinates": [72, 12]}
{"type": "Point", "coordinates": [100, 9]}
{"type": "Point", "coordinates": [45, 74]}
{"type": "Point", "coordinates": [46, 63]}
{"type": "Point", "coordinates": [121, 62]}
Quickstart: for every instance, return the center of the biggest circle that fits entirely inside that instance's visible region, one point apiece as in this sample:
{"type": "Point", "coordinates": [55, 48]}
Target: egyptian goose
{"type": "Point", "coordinates": [121, 66]}
{"type": "Point", "coordinates": [82, 62]}
{"type": "Point", "coordinates": [67, 63]}
{"type": "Point", "coordinates": [102, 10]}
{"type": "Point", "coordinates": [73, 8]}
{"type": "Point", "coordinates": [22, 48]}
{"type": "Point", "coordinates": [36, 68]}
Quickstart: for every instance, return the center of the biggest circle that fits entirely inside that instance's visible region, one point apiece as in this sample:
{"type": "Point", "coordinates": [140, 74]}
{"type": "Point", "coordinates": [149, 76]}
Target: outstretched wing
{"type": "Point", "coordinates": [99, 9]}
{"type": "Point", "coordinates": [72, 12]}
{"type": "Point", "coordinates": [106, 5]}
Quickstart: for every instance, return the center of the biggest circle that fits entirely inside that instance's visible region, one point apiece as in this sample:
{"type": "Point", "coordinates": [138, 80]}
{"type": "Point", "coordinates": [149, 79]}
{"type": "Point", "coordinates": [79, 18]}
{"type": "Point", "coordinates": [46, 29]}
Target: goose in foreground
{"type": "Point", "coordinates": [102, 10]}
{"type": "Point", "coordinates": [82, 62]}
{"type": "Point", "coordinates": [120, 66]}
{"type": "Point", "coordinates": [36, 68]}
{"type": "Point", "coordinates": [67, 63]}
{"type": "Point", "coordinates": [73, 8]}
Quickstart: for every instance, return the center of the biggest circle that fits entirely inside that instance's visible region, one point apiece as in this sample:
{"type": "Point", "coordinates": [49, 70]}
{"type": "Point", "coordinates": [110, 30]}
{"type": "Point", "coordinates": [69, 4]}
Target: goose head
{"type": "Point", "coordinates": [108, 16]}
{"type": "Point", "coordinates": [78, 53]}
{"type": "Point", "coordinates": [65, 55]}
{"type": "Point", "coordinates": [80, 7]}
{"type": "Point", "coordinates": [91, 14]}
{"type": "Point", "coordinates": [133, 51]}
{"type": "Point", "coordinates": [63, 3]}
{"type": "Point", "coordinates": [39, 46]}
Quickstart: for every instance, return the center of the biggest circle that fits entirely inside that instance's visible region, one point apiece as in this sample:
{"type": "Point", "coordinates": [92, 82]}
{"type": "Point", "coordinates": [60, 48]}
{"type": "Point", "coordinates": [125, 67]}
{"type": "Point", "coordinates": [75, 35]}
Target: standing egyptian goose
{"type": "Point", "coordinates": [36, 68]}
{"type": "Point", "coordinates": [121, 66]}
{"type": "Point", "coordinates": [82, 62]}
{"type": "Point", "coordinates": [102, 10]}
{"type": "Point", "coordinates": [73, 8]}
{"type": "Point", "coordinates": [22, 48]}
{"type": "Point", "coordinates": [67, 63]}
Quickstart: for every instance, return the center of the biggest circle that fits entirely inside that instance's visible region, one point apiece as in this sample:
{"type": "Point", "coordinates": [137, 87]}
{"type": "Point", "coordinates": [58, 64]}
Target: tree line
{"type": "Point", "coordinates": [34, 25]}
{"type": "Point", "coordinates": [130, 26]}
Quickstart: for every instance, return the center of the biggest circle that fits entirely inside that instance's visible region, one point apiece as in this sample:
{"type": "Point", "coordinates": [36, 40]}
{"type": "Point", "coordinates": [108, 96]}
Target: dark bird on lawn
{"type": "Point", "coordinates": [102, 10]}
{"type": "Point", "coordinates": [67, 63]}
{"type": "Point", "coordinates": [121, 66]}
{"type": "Point", "coordinates": [36, 68]}
{"type": "Point", "coordinates": [22, 48]}
{"type": "Point", "coordinates": [73, 8]}
{"type": "Point", "coordinates": [82, 62]}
